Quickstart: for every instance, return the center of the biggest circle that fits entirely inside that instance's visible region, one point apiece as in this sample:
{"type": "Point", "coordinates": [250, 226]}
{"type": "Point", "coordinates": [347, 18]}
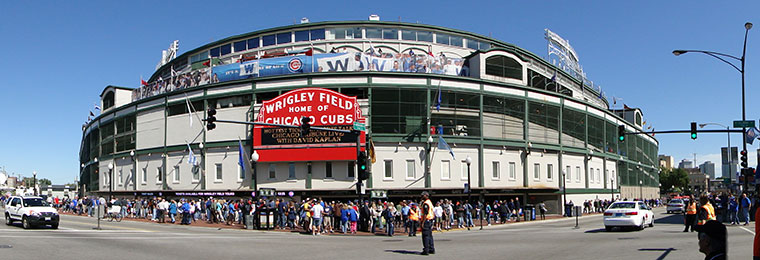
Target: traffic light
{"type": "Point", "coordinates": [361, 166]}
{"type": "Point", "coordinates": [743, 159]}
{"type": "Point", "coordinates": [694, 130]}
{"type": "Point", "coordinates": [210, 119]}
{"type": "Point", "coordinates": [305, 126]}
{"type": "Point", "coordinates": [621, 133]}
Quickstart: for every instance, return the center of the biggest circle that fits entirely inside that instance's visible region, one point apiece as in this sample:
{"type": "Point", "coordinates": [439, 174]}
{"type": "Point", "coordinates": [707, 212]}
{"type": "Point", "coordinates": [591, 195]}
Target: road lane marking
{"type": "Point", "coordinates": [745, 229]}
{"type": "Point", "coordinates": [110, 226]}
{"type": "Point", "coordinates": [174, 238]}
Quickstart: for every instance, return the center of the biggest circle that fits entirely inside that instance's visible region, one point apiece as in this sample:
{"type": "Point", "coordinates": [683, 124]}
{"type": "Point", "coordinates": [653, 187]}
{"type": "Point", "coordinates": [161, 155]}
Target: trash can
{"type": "Point", "coordinates": [249, 222]}
{"type": "Point", "coordinates": [529, 212]}
{"type": "Point", "coordinates": [266, 219]}
{"type": "Point", "coordinates": [578, 211]}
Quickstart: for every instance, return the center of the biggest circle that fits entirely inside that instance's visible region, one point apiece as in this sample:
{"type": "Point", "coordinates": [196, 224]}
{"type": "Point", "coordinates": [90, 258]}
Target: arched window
{"type": "Point", "coordinates": [108, 100]}
{"type": "Point", "coordinates": [503, 66]}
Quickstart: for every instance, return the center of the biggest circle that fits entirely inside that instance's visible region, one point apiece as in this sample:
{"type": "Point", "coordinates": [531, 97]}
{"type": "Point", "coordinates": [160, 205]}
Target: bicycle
{"type": "Point", "coordinates": [114, 214]}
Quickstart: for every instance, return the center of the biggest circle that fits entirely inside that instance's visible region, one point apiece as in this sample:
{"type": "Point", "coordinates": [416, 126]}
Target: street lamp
{"type": "Point", "coordinates": [469, 187]}
{"type": "Point", "coordinates": [641, 190]}
{"type": "Point", "coordinates": [110, 181]}
{"type": "Point", "coordinates": [428, 160]}
{"type": "Point", "coordinates": [134, 171]}
{"type": "Point", "coordinates": [34, 184]}
{"type": "Point", "coordinates": [254, 158]}
{"type": "Point", "coordinates": [612, 189]}
{"type": "Point", "coordinates": [721, 57]}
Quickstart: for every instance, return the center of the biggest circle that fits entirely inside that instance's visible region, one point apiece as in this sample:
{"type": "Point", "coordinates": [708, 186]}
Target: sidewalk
{"type": "Point", "coordinates": [378, 232]}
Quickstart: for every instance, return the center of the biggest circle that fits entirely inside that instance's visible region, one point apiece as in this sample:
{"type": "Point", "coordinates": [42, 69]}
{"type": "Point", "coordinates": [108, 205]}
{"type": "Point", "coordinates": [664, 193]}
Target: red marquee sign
{"type": "Point", "coordinates": [325, 108]}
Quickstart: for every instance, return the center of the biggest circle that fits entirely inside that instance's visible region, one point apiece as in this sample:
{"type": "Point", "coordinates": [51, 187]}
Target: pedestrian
{"type": "Point", "coordinates": [712, 240]}
{"type": "Point", "coordinates": [414, 219]}
{"type": "Point", "coordinates": [426, 218]}
{"type": "Point", "coordinates": [706, 211]}
{"type": "Point", "coordinates": [389, 214]}
{"type": "Point", "coordinates": [744, 207]}
{"type": "Point", "coordinates": [733, 210]}
{"type": "Point", "coordinates": [316, 216]}
{"type": "Point", "coordinates": [690, 214]}
{"type": "Point", "coordinates": [353, 217]}
{"type": "Point", "coordinates": [542, 210]}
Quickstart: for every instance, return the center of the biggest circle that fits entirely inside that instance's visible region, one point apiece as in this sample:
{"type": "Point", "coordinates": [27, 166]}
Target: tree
{"type": "Point", "coordinates": [44, 181]}
{"type": "Point", "coordinates": [673, 179]}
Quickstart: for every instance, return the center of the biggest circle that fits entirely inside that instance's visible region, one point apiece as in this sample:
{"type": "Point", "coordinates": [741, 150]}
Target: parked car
{"type": "Point", "coordinates": [628, 214]}
{"type": "Point", "coordinates": [31, 211]}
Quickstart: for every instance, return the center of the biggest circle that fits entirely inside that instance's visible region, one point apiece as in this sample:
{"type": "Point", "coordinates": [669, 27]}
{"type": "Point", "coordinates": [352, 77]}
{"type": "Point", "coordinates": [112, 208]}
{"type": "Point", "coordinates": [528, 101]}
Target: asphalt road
{"type": "Point", "coordinates": [555, 239]}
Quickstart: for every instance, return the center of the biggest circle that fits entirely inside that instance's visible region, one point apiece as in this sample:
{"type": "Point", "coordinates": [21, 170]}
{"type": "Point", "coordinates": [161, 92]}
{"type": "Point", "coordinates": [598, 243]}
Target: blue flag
{"type": "Point", "coordinates": [191, 159]}
{"type": "Point", "coordinates": [438, 102]}
{"type": "Point", "coordinates": [444, 146]}
{"type": "Point", "coordinates": [554, 77]}
{"type": "Point", "coordinates": [241, 156]}
{"type": "Point", "coordinates": [751, 134]}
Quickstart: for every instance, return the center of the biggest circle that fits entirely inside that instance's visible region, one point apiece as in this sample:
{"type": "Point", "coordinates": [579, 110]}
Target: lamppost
{"type": "Point", "coordinates": [469, 187]}
{"type": "Point", "coordinates": [612, 189]}
{"type": "Point", "coordinates": [719, 56]}
{"type": "Point", "coordinates": [34, 183]}
{"type": "Point", "coordinates": [641, 190]}
{"type": "Point", "coordinates": [134, 170]}
{"type": "Point", "coordinates": [564, 193]}
{"type": "Point", "coordinates": [254, 158]}
{"type": "Point", "coordinates": [202, 166]}
{"type": "Point", "coordinates": [110, 181]}
{"type": "Point", "coordinates": [428, 160]}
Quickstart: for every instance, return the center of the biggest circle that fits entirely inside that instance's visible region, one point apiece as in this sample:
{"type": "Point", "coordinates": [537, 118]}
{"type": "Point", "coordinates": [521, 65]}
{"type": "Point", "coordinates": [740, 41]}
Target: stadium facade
{"type": "Point", "coordinates": [529, 127]}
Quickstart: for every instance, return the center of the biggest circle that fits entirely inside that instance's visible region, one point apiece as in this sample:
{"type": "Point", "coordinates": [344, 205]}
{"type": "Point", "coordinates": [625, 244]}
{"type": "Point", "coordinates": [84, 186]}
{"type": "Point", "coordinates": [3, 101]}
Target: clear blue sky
{"type": "Point", "coordinates": [58, 57]}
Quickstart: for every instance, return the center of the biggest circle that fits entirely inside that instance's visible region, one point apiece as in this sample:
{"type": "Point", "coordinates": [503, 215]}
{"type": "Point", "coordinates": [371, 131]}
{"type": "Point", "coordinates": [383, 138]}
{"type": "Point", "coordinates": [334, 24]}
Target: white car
{"type": "Point", "coordinates": [31, 211]}
{"type": "Point", "coordinates": [628, 214]}
{"type": "Point", "coordinates": [675, 205]}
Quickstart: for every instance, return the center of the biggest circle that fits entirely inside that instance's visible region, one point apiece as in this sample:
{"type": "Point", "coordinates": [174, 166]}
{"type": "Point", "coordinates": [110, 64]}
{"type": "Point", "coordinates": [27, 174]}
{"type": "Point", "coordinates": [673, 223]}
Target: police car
{"type": "Point", "coordinates": [30, 211]}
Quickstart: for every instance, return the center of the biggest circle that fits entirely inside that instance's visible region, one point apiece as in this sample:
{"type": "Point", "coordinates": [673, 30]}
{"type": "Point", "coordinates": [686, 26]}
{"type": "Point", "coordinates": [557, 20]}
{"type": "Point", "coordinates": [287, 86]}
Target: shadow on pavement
{"type": "Point", "coordinates": [670, 219]}
{"type": "Point", "coordinates": [616, 229]}
{"type": "Point", "coordinates": [665, 252]}
{"type": "Point", "coordinates": [404, 252]}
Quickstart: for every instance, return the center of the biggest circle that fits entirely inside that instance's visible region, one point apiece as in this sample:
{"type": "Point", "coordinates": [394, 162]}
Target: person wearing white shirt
{"type": "Point", "coordinates": [438, 211]}
{"type": "Point", "coordinates": [316, 215]}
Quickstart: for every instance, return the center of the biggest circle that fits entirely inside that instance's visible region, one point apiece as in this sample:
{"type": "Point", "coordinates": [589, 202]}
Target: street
{"type": "Point", "coordinates": [553, 239]}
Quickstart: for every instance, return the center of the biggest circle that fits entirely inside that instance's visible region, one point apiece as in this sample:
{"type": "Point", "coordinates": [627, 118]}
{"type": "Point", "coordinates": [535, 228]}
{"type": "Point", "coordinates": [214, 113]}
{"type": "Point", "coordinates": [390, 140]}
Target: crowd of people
{"type": "Point", "coordinates": [315, 216]}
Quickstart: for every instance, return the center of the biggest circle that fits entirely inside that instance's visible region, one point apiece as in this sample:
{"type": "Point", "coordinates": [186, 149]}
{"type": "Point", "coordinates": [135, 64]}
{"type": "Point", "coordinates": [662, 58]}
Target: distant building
{"type": "Point", "coordinates": [12, 182]}
{"type": "Point", "coordinates": [729, 165]}
{"type": "Point", "coordinates": [698, 182]}
{"type": "Point", "coordinates": [666, 161]}
{"type": "Point", "coordinates": [60, 191]}
{"type": "Point", "coordinates": [685, 164]}
{"type": "Point", "coordinates": [708, 168]}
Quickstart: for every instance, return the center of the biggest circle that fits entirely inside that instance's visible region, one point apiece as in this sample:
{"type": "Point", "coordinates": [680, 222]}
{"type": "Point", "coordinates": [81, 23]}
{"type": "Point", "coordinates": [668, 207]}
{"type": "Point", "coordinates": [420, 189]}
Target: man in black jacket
{"type": "Point", "coordinates": [517, 208]}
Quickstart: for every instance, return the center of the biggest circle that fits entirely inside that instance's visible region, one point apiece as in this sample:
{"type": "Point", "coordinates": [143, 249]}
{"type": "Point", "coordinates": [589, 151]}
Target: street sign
{"type": "Point", "coordinates": [378, 194]}
{"type": "Point", "coordinates": [361, 127]}
{"type": "Point", "coordinates": [267, 192]}
{"type": "Point", "coordinates": [745, 123]}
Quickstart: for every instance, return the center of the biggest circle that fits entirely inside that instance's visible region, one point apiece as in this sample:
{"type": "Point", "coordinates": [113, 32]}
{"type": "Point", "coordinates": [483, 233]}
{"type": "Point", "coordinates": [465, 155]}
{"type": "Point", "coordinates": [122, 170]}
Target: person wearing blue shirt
{"type": "Point", "coordinates": [172, 210]}
{"type": "Point", "coordinates": [405, 217]}
{"type": "Point", "coordinates": [733, 209]}
{"type": "Point", "coordinates": [745, 205]}
{"type": "Point", "coordinates": [353, 217]}
{"type": "Point", "coordinates": [185, 213]}
{"type": "Point", "coordinates": [344, 218]}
